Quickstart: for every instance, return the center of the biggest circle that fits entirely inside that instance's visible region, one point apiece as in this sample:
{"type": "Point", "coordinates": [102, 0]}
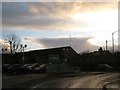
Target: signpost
{"type": "Point", "coordinates": [54, 63]}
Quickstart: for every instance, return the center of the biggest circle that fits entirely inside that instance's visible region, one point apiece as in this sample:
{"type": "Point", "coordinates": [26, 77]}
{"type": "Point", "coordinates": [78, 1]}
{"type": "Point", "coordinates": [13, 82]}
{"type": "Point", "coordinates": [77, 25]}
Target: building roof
{"type": "Point", "coordinates": [55, 48]}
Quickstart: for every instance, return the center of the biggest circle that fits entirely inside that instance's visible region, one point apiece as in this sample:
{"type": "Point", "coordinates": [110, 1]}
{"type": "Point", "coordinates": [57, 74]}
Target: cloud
{"type": "Point", "coordinates": [84, 17]}
{"type": "Point", "coordinates": [60, 8]}
{"type": "Point", "coordinates": [48, 15]}
{"type": "Point", "coordinates": [61, 1]}
{"type": "Point", "coordinates": [79, 44]}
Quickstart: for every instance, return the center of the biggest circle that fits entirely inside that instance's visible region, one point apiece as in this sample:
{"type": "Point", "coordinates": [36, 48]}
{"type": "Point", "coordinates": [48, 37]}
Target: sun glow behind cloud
{"type": "Point", "coordinates": [100, 23]}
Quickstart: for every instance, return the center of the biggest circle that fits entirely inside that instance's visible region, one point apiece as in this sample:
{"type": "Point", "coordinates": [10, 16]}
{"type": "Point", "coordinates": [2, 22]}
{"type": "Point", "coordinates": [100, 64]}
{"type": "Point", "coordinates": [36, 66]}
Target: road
{"type": "Point", "coordinates": [87, 81]}
{"type": "Point", "coordinates": [20, 80]}
{"type": "Point", "coordinates": [36, 81]}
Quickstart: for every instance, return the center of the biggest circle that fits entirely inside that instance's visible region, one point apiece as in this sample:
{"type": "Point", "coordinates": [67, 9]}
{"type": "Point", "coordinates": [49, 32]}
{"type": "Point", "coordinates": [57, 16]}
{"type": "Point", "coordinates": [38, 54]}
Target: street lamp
{"type": "Point", "coordinates": [113, 39]}
{"type": "Point", "coordinates": [23, 48]}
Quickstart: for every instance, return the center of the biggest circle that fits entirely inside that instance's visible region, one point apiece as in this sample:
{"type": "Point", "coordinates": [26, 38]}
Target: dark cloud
{"type": "Point", "coordinates": [79, 44]}
{"type": "Point", "coordinates": [14, 9]}
{"type": "Point", "coordinates": [47, 15]}
{"type": "Point", "coordinates": [18, 15]}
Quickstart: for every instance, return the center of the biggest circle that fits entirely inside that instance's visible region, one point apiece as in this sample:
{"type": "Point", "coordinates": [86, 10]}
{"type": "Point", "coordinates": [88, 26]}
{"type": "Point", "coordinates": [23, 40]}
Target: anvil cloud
{"type": "Point", "coordinates": [41, 20]}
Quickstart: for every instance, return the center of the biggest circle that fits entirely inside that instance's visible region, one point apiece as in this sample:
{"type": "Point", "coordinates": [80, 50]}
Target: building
{"type": "Point", "coordinates": [64, 54]}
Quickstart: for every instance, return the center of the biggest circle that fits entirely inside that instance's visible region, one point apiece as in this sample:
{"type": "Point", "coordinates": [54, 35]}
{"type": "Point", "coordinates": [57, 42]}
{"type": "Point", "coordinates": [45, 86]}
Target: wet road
{"type": "Point", "coordinates": [87, 81]}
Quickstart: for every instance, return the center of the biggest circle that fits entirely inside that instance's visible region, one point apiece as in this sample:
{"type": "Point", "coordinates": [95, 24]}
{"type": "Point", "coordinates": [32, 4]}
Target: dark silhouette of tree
{"type": "Point", "coordinates": [22, 47]}
{"type": "Point", "coordinates": [4, 49]}
{"type": "Point", "coordinates": [100, 49]}
{"type": "Point", "coordinates": [14, 42]}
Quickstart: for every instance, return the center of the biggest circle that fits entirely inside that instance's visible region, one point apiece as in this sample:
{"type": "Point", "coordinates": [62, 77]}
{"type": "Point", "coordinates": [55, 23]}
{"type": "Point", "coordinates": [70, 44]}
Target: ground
{"type": "Point", "coordinates": [82, 80]}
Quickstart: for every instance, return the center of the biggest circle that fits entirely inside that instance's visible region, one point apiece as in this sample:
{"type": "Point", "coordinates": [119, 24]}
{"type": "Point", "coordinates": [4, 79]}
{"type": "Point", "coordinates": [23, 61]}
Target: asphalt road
{"type": "Point", "coordinates": [20, 81]}
{"type": "Point", "coordinates": [87, 81]}
{"type": "Point", "coordinates": [38, 81]}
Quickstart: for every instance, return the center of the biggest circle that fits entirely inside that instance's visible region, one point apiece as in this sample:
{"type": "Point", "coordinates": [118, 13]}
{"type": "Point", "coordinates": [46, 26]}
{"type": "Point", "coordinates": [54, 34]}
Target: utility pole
{"type": "Point", "coordinates": [118, 40]}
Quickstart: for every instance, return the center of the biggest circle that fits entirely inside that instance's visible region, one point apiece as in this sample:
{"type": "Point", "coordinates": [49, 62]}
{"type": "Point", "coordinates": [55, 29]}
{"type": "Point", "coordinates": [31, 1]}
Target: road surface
{"type": "Point", "coordinates": [87, 81]}
{"type": "Point", "coordinates": [37, 81]}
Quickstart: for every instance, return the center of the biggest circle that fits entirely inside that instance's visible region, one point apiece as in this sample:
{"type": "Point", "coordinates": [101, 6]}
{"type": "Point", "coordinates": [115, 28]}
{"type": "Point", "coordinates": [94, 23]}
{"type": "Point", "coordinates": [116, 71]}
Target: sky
{"type": "Point", "coordinates": [83, 25]}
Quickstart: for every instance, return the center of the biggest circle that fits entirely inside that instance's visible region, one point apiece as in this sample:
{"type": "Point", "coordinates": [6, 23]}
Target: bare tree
{"type": "Point", "coordinates": [14, 42]}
